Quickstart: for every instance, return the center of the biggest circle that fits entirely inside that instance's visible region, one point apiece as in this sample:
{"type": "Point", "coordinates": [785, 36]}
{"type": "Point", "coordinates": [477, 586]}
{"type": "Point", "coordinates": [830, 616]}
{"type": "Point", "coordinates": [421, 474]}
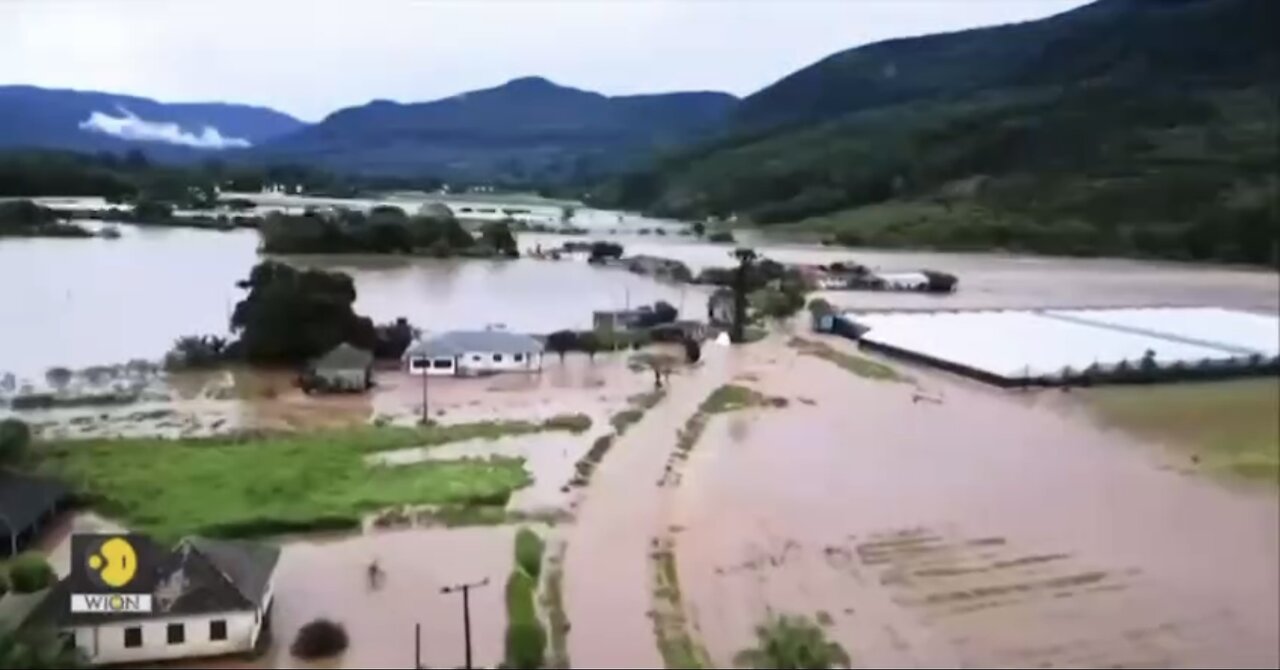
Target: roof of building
{"type": "Point", "coordinates": [458, 342]}
{"type": "Point", "coordinates": [24, 498]}
{"type": "Point", "coordinates": [199, 576]}
{"type": "Point", "coordinates": [344, 356]}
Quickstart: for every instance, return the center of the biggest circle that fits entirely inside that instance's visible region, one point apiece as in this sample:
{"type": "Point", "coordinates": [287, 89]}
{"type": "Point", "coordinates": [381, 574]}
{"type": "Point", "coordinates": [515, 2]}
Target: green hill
{"type": "Point", "coordinates": [1125, 127]}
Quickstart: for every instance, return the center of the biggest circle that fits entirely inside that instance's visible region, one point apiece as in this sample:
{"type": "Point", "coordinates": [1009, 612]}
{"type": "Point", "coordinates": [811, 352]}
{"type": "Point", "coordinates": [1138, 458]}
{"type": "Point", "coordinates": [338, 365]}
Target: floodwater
{"type": "Point", "coordinates": [328, 578]}
{"type": "Point", "coordinates": [82, 302]}
{"type": "Point", "coordinates": [984, 530]}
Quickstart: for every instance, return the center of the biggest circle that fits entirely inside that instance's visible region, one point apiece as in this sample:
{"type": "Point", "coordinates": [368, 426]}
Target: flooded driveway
{"type": "Point", "coordinates": [984, 530]}
{"type": "Point", "coordinates": [327, 578]}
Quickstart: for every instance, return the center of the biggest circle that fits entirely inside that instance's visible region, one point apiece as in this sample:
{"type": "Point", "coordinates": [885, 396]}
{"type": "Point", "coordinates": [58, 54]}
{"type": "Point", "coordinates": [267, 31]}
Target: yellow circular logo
{"type": "Point", "coordinates": [116, 563]}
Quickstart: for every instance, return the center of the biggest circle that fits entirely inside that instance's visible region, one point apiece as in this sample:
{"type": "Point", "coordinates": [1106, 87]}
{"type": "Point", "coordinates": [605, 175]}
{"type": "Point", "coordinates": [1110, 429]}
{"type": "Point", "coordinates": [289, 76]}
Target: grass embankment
{"type": "Point", "coordinates": [621, 421]}
{"type": "Point", "coordinates": [1229, 427]}
{"type": "Point", "coordinates": [858, 365]}
{"type": "Point", "coordinates": [553, 605]}
{"type": "Point", "coordinates": [727, 398]}
{"type": "Point", "coordinates": [526, 640]}
{"type": "Point", "coordinates": [263, 485]}
{"type": "Point", "coordinates": [676, 643]}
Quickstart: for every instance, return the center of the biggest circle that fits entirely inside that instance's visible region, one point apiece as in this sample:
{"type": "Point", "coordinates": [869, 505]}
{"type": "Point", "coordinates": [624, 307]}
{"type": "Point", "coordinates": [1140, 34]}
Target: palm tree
{"type": "Point", "coordinates": [792, 642]}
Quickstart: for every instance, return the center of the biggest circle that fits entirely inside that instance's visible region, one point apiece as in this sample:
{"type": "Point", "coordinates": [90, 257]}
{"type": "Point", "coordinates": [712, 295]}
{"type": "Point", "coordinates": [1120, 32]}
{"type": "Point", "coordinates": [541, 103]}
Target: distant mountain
{"type": "Point", "coordinates": [526, 128]}
{"type": "Point", "coordinates": [32, 117]}
{"type": "Point", "coordinates": [1134, 127]}
{"type": "Point", "coordinates": [1219, 42]}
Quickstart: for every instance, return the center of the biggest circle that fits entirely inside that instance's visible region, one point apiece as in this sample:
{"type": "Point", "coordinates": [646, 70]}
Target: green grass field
{"type": "Point", "coordinates": [1231, 427]}
{"type": "Point", "coordinates": [244, 486]}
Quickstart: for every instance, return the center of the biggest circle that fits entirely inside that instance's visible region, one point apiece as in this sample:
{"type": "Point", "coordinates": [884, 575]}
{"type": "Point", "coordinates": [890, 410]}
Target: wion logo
{"type": "Point", "coordinates": [111, 574]}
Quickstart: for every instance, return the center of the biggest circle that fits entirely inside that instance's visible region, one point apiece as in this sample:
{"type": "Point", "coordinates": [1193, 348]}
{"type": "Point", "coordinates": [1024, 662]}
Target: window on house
{"type": "Point", "coordinates": [177, 633]}
{"type": "Point", "coordinates": [218, 629]}
{"type": "Point", "coordinates": [475, 357]}
{"type": "Point", "coordinates": [133, 637]}
{"type": "Point", "coordinates": [497, 358]}
{"type": "Point", "coordinates": [417, 363]}
{"type": "Point", "coordinates": [442, 363]}
{"type": "Point", "coordinates": [518, 358]}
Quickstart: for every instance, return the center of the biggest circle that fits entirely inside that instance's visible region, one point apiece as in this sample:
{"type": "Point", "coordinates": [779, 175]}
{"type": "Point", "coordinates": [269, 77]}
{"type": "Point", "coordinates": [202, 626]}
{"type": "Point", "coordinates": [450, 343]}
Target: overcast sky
{"type": "Point", "coordinates": [311, 57]}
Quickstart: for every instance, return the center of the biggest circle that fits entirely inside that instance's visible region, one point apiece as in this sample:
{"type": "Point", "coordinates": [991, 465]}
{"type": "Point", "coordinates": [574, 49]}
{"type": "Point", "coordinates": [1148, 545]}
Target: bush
{"type": "Point", "coordinates": [318, 639]}
{"type": "Point", "coordinates": [520, 588]}
{"type": "Point", "coordinates": [14, 438]}
{"type": "Point", "coordinates": [526, 645]}
{"type": "Point", "coordinates": [30, 572]}
{"type": "Point", "coordinates": [574, 423]}
{"type": "Point", "coordinates": [529, 549]}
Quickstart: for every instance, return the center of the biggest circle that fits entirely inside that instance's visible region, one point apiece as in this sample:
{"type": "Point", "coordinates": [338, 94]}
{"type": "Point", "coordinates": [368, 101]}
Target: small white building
{"type": "Point", "coordinates": [474, 352]}
{"type": "Point", "coordinates": [904, 281]}
{"type": "Point", "coordinates": [213, 598]}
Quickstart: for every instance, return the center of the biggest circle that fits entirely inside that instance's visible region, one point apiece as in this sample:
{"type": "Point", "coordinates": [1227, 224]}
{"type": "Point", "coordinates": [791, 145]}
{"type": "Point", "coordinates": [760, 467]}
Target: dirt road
{"type": "Point", "coordinates": [608, 590]}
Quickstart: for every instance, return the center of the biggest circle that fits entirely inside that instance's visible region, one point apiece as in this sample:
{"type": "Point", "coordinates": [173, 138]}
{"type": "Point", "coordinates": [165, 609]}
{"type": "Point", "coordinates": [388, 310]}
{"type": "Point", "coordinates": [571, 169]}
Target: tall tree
{"type": "Point", "coordinates": [746, 259]}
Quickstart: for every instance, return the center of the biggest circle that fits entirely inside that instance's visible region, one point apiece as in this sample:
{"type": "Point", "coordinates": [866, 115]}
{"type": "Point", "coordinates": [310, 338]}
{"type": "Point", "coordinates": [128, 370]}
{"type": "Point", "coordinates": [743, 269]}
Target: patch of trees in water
{"type": "Point", "coordinates": [433, 231]}
{"type": "Point", "coordinates": [291, 316]}
{"type": "Point", "coordinates": [23, 218]}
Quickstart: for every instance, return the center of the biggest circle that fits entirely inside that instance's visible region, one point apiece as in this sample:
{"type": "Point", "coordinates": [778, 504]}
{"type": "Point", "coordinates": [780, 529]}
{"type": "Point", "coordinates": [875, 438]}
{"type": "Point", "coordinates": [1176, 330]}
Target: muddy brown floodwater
{"type": "Point", "coordinates": [985, 530]}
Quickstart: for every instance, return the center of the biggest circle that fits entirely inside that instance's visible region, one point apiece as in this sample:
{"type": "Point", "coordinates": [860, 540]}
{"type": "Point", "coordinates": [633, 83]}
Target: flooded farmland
{"type": "Point", "coordinates": [985, 529]}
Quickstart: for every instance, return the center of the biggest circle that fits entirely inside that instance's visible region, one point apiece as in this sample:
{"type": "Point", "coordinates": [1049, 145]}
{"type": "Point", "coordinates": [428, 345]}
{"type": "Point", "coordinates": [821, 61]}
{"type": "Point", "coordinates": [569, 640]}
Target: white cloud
{"type": "Point", "coordinates": [128, 126]}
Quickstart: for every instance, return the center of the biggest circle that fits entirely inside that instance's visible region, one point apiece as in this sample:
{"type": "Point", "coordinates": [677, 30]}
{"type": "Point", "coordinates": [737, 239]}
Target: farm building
{"type": "Point", "coordinates": [344, 368]}
{"type": "Point", "coordinates": [474, 352]}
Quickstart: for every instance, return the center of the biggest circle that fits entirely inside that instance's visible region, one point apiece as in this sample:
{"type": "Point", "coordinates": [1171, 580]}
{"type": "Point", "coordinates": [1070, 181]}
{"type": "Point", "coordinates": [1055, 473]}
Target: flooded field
{"type": "Point", "coordinates": [985, 529]}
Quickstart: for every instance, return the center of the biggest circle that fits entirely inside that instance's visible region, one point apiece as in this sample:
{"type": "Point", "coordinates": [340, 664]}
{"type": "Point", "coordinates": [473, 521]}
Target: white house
{"type": "Point", "coordinates": [474, 352]}
{"type": "Point", "coordinates": [213, 598]}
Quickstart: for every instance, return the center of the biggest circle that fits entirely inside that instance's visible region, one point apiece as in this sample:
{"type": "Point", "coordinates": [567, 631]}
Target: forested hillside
{"type": "Point", "coordinates": [1135, 127]}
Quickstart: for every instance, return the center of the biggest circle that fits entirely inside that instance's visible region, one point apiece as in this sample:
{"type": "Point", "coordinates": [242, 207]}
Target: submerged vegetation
{"type": "Point", "coordinates": [792, 641]}
{"type": "Point", "coordinates": [671, 626]}
{"type": "Point", "coordinates": [858, 365]}
{"type": "Point", "coordinates": [1227, 427]}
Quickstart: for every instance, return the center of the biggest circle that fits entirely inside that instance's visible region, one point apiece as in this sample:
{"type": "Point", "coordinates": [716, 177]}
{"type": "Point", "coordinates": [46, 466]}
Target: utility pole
{"type": "Point", "coordinates": [426, 372]}
{"type": "Point", "coordinates": [417, 646]}
{"type": "Point", "coordinates": [466, 610]}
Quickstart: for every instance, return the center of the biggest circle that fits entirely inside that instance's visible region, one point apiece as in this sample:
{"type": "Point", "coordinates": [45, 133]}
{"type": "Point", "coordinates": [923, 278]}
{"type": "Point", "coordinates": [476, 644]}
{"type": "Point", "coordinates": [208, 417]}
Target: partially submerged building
{"type": "Point", "coordinates": [474, 352]}
{"type": "Point", "coordinates": [343, 368]}
{"type": "Point", "coordinates": [27, 505]}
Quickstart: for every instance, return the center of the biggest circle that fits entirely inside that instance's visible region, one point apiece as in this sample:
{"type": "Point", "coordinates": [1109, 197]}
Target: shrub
{"type": "Point", "coordinates": [526, 645]}
{"type": "Point", "coordinates": [29, 573]}
{"type": "Point", "coordinates": [520, 588]}
{"type": "Point", "coordinates": [623, 420]}
{"type": "Point", "coordinates": [318, 639]}
{"type": "Point", "coordinates": [574, 423]}
{"type": "Point", "coordinates": [529, 549]}
{"type": "Point", "coordinates": [14, 438]}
